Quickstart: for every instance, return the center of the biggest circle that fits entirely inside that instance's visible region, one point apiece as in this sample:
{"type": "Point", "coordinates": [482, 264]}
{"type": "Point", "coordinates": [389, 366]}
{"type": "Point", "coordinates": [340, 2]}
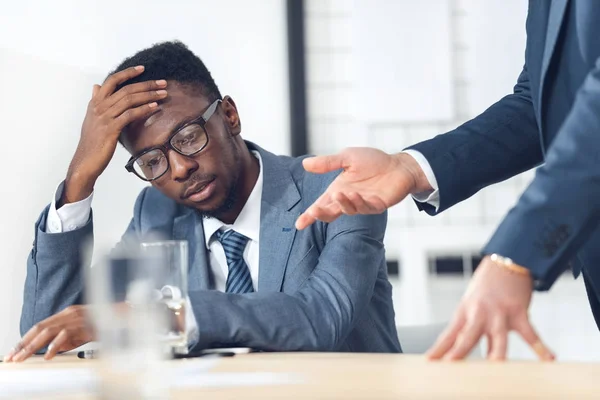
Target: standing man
{"type": "Point", "coordinates": [553, 117]}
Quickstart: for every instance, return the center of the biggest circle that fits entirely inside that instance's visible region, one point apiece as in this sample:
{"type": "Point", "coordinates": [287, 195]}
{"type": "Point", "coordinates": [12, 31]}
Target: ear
{"type": "Point", "coordinates": [232, 118]}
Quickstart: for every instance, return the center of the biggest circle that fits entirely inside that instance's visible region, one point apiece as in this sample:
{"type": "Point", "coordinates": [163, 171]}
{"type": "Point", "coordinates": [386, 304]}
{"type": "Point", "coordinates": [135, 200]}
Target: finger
{"type": "Point", "coordinates": [134, 100]}
{"type": "Point", "coordinates": [36, 344]}
{"type": "Point", "coordinates": [524, 328]}
{"type": "Point", "coordinates": [323, 164]}
{"type": "Point", "coordinates": [56, 345]}
{"type": "Point", "coordinates": [132, 114]}
{"type": "Point", "coordinates": [377, 204]}
{"type": "Point", "coordinates": [34, 332]}
{"type": "Point", "coordinates": [95, 90]}
{"type": "Point", "coordinates": [141, 87]}
{"type": "Point", "coordinates": [323, 209]}
{"type": "Point", "coordinates": [490, 344]}
{"type": "Point", "coordinates": [344, 203]}
{"type": "Point", "coordinates": [304, 221]}
{"type": "Point", "coordinates": [111, 83]}
{"type": "Point", "coordinates": [327, 213]}
{"type": "Point", "coordinates": [9, 356]}
{"type": "Point", "coordinates": [499, 338]}
{"type": "Point", "coordinates": [467, 339]}
{"type": "Point", "coordinates": [367, 205]}
{"type": "Point", "coordinates": [446, 340]}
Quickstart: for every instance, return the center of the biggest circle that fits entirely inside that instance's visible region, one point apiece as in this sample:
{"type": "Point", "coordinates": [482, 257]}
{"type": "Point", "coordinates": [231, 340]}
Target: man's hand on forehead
{"type": "Point", "coordinates": [108, 113]}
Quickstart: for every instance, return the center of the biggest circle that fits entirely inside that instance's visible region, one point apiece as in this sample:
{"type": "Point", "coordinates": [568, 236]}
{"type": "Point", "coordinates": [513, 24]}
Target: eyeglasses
{"type": "Point", "coordinates": [188, 140]}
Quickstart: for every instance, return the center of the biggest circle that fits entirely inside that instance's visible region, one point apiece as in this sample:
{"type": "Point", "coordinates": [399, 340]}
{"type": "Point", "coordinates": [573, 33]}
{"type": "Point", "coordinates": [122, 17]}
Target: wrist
{"type": "Point", "coordinates": [406, 162]}
{"type": "Point", "coordinates": [77, 187]}
{"type": "Point", "coordinates": [508, 264]}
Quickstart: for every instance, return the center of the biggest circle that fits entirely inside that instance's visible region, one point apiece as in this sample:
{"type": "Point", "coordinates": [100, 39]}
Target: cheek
{"type": "Point", "coordinates": [168, 188]}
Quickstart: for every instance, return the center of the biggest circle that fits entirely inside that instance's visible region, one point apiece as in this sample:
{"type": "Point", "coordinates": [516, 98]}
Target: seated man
{"type": "Point", "coordinates": [320, 289]}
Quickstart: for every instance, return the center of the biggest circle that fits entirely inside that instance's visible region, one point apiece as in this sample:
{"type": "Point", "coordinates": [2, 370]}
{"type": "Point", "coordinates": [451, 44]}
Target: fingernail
{"type": "Point", "coordinates": [139, 68]}
{"type": "Point", "coordinates": [161, 82]}
{"type": "Point", "coordinates": [153, 104]}
{"type": "Point", "coordinates": [161, 92]}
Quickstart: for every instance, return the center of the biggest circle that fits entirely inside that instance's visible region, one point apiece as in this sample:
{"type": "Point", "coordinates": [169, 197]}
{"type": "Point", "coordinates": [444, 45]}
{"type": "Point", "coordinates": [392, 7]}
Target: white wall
{"type": "Point", "coordinates": [485, 42]}
{"type": "Point", "coordinates": [51, 53]}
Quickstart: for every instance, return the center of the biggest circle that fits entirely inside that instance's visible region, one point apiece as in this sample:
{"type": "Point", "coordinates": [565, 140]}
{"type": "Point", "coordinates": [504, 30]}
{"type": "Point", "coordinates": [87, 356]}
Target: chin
{"type": "Point", "coordinates": [214, 208]}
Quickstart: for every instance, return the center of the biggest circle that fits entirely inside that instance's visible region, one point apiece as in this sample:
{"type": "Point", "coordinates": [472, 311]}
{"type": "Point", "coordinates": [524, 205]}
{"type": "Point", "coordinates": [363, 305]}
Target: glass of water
{"type": "Point", "coordinates": [122, 290]}
{"type": "Point", "coordinates": [170, 259]}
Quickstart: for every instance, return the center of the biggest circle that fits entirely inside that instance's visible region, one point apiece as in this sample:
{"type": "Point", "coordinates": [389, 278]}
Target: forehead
{"type": "Point", "coordinates": [181, 105]}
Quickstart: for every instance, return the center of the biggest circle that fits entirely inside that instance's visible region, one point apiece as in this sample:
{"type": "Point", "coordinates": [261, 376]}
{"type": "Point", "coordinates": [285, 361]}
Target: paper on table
{"type": "Point", "coordinates": [190, 374]}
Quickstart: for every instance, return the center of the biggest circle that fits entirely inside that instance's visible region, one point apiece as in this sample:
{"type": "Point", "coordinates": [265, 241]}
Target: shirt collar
{"type": "Point", "coordinates": [248, 222]}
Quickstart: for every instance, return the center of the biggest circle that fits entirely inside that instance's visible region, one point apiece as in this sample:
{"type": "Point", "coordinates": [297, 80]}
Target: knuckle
{"type": "Point", "coordinates": [46, 331]}
{"type": "Point", "coordinates": [128, 100]}
{"type": "Point", "coordinates": [128, 114]}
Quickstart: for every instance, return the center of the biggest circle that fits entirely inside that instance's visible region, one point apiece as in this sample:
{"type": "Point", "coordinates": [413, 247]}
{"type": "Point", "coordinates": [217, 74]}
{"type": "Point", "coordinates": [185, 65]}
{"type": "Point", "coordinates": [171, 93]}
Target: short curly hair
{"type": "Point", "coordinates": [172, 60]}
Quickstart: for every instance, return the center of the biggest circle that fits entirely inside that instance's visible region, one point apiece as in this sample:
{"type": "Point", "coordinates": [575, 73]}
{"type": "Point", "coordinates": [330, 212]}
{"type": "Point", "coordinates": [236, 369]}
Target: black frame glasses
{"type": "Point", "coordinates": [168, 145]}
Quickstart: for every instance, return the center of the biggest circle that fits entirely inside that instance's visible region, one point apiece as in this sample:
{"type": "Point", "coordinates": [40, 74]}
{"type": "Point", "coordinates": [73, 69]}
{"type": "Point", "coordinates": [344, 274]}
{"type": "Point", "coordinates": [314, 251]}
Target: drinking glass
{"type": "Point", "coordinates": [170, 259]}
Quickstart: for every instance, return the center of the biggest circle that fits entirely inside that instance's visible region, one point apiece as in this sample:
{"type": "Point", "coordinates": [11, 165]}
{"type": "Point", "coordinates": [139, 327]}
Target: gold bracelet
{"type": "Point", "coordinates": [508, 264]}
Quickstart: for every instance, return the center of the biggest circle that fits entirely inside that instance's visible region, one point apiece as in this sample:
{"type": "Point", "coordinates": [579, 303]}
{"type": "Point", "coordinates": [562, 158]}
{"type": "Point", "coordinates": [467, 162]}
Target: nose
{"type": "Point", "coordinates": [181, 166]}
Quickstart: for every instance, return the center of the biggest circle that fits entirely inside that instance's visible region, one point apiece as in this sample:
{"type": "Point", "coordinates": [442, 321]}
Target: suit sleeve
{"type": "Point", "coordinates": [320, 314]}
{"type": "Point", "coordinates": [55, 268]}
{"type": "Point", "coordinates": [501, 142]}
{"type": "Point", "coordinates": [560, 208]}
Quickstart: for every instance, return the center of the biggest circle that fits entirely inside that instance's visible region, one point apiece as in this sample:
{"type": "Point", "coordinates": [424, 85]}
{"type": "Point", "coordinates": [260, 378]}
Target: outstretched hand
{"type": "Point", "coordinates": [370, 182]}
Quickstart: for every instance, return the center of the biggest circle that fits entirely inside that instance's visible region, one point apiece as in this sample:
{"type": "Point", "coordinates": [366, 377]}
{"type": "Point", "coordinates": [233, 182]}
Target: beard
{"type": "Point", "coordinates": [226, 205]}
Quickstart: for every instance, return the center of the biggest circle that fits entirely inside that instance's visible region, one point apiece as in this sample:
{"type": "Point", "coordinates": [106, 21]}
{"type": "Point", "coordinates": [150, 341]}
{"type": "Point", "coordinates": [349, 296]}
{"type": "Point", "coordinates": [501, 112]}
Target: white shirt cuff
{"type": "Point", "coordinates": [70, 216]}
{"type": "Point", "coordinates": [431, 197]}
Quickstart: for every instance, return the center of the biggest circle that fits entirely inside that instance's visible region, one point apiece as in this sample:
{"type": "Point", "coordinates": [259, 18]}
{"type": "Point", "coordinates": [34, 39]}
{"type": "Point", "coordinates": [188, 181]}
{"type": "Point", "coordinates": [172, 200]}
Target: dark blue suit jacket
{"type": "Point", "coordinates": [552, 118]}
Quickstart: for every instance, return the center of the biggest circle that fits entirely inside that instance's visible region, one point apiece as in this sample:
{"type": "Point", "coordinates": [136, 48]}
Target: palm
{"type": "Point", "coordinates": [371, 181]}
{"type": "Point", "coordinates": [375, 176]}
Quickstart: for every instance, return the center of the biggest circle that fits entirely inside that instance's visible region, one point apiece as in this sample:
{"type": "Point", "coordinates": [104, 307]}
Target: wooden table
{"type": "Point", "coordinates": [370, 376]}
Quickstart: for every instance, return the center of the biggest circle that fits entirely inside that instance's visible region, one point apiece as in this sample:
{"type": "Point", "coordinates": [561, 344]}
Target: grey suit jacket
{"type": "Point", "coordinates": [321, 289]}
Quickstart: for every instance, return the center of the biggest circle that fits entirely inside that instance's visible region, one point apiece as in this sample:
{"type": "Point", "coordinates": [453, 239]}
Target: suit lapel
{"type": "Point", "coordinates": [188, 226]}
{"type": "Point", "coordinates": [555, 21]}
{"type": "Point", "coordinates": [277, 230]}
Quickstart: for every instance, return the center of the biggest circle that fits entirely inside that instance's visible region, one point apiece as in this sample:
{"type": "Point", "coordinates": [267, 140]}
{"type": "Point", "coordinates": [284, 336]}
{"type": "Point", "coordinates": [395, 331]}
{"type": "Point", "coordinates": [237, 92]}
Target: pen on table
{"type": "Point", "coordinates": [88, 354]}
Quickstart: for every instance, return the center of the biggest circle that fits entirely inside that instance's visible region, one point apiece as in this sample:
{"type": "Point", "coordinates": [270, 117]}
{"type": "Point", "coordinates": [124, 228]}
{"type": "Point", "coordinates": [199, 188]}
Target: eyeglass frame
{"type": "Point", "coordinates": [202, 120]}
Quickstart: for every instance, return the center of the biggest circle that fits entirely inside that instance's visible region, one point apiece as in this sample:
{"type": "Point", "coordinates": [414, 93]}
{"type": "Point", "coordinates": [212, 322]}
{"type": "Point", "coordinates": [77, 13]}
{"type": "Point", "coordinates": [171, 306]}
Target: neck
{"type": "Point", "coordinates": [249, 170]}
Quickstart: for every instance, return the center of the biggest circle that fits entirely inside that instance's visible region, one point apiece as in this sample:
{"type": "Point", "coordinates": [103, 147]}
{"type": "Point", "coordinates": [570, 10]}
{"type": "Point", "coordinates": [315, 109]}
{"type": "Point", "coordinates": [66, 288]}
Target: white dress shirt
{"type": "Point", "coordinates": [431, 197]}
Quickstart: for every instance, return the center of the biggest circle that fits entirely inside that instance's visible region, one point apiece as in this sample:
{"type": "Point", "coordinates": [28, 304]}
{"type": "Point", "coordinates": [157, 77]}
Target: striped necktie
{"type": "Point", "coordinates": [238, 279]}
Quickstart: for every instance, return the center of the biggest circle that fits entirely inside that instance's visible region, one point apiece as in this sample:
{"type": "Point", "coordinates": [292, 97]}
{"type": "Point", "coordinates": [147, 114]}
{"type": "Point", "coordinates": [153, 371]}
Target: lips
{"type": "Point", "coordinates": [196, 188]}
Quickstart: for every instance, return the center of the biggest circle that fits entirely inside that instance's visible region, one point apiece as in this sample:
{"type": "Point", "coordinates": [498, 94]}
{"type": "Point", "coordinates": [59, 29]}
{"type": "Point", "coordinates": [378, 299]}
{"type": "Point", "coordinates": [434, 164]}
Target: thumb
{"type": "Point", "coordinates": [323, 164]}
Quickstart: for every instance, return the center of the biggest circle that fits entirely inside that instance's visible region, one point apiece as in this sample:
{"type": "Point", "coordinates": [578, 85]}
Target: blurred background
{"type": "Point", "coordinates": [308, 76]}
